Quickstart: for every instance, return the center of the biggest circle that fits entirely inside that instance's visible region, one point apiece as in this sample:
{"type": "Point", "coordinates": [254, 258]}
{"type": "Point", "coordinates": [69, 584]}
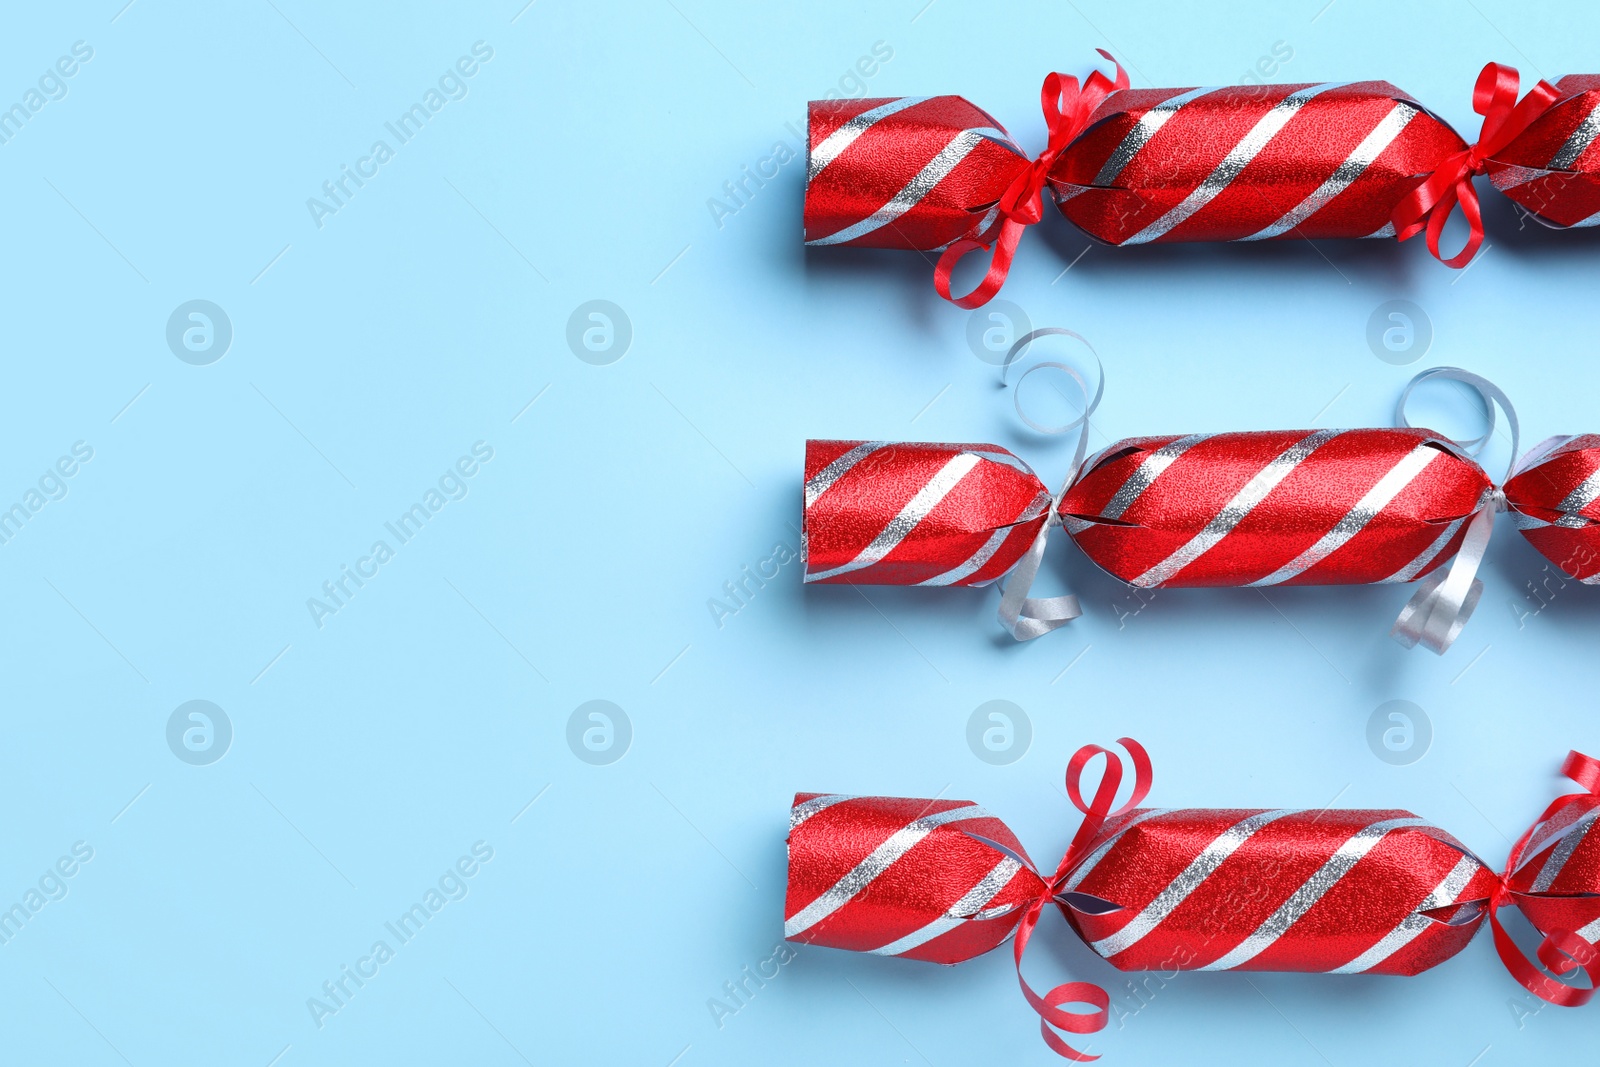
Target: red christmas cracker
{"type": "Point", "coordinates": [1251, 509]}
{"type": "Point", "coordinates": [1338, 892]}
{"type": "Point", "coordinates": [1235, 163]}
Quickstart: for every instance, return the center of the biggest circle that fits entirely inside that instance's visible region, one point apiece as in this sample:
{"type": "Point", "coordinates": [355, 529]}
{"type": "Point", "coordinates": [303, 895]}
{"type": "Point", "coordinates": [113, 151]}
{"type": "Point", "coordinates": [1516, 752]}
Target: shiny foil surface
{"type": "Point", "coordinates": [909, 172]}
{"type": "Point", "coordinates": [1242, 163]}
{"type": "Point", "coordinates": [903, 877]}
{"type": "Point", "coordinates": [1302, 507]}
{"type": "Point", "coordinates": [1552, 168]}
{"type": "Point", "coordinates": [1555, 502]}
{"type": "Point", "coordinates": [1378, 892]}
{"type": "Point", "coordinates": [878, 513]}
{"type": "Point", "coordinates": [1557, 884]}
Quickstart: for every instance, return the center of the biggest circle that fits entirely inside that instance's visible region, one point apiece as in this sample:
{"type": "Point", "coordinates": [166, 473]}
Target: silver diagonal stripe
{"type": "Point", "coordinates": [1151, 121]}
{"type": "Point", "coordinates": [1235, 161]}
{"type": "Point", "coordinates": [1355, 520]}
{"type": "Point", "coordinates": [1346, 173]}
{"type": "Point", "coordinates": [1147, 472]}
{"type": "Point", "coordinates": [1581, 496]}
{"type": "Point", "coordinates": [961, 911]}
{"type": "Point", "coordinates": [914, 512]}
{"type": "Point", "coordinates": [1510, 177]}
{"type": "Point", "coordinates": [805, 809]}
{"type": "Point", "coordinates": [921, 185]}
{"type": "Point", "coordinates": [1425, 557]}
{"type": "Point", "coordinates": [823, 480]}
{"type": "Point", "coordinates": [1549, 830]}
{"type": "Point", "coordinates": [984, 554]}
{"type": "Point", "coordinates": [1090, 862]}
{"type": "Point", "coordinates": [877, 861]}
{"type": "Point", "coordinates": [1578, 142]}
{"type": "Point", "coordinates": [1412, 926]}
{"type": "Point", "coordinates": [1199, 869]}
{"type": "Point", "coordinates": [1312, 890]}
{"type": "Point", "coordinates": [1234, 511]}
{"type": "Point", "coordinates": [1571, 838]}
{"type": "Point", "coordinates": [829, 148]}
{"type": "Point", "coordinates": [999, 455]}
{"type": "Point", "coordinates": [997, 538]}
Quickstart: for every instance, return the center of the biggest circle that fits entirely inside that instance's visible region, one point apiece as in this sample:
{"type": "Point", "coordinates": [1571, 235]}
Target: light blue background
{"type": "Point", "coordinates": [426, 715]}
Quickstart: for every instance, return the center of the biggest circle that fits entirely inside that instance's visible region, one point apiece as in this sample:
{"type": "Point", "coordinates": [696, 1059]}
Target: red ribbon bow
{"type": "Point", "coordinates": [1562, 951]}
{"type": "Point", "coordinates": [1067, 107]}
{"type": "Point", "coordinates": [1051, 1006]}
{"type": "Point", "coordinates": [1429, 205]}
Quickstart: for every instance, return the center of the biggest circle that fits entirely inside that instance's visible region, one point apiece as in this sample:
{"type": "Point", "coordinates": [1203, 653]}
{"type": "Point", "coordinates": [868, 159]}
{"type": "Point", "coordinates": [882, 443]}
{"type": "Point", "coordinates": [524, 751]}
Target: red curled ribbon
{"type": "Point", "coordinates": [1562, 951]}
{"type": "Point", "coordinates": [1429, 205]}
{"type": "Point", "coordinates": [1051, 1006]}
{"type": "Point", "coordinates": [1067, 107]}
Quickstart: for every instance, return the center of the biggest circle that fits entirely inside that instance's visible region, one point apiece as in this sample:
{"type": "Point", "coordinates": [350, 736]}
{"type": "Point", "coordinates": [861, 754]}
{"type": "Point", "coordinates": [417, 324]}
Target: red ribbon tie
{"type": "Point", "coordinates": [1051, 1007]}
{"type": "Point", "coordinates": [1067, 107]}
{"type": "Point", "coordinates": [1428, 206]}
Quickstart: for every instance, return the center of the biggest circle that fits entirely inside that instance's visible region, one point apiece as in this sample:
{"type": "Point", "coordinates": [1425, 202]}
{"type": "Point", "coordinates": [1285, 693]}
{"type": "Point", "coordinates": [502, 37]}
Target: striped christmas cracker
{"type": "Point", "coordinates": [1303, 507]}
{"type": "Point", "coordinates": [910, 172]}
{"type": "Point", "coordinates": [878, 513]}
{"type": "Point", "coordinates": [1246, 163]}
{"type": "Point", "coordinates": [899, 877]}
{"type": "Point", "coordinates": [1379, 892]}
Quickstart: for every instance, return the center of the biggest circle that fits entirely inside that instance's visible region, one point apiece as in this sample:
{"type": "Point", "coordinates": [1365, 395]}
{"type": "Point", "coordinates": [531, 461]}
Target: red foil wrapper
{"type": "Point", "coordinates": [1302, 507]}
{"type": "Point", "coordinates": [1231, 509]}
{"type": "Point", "coordinates": [917, 514]}
{"type": "Point", "coordinates": [1246, 163]}
{"type": "Point", "coordinates": [1552, 169]}
{"type": "Point", "coordinates": [1331, 891]}
{"type": "Point", "coordinates": [865, 155]}
{"type": "Point", "coordinates": [1557, 884]}
{"type": "Point", "coordinates": [1555, 501]}
{"type": "Point", "coordinates": [928, 888]}
{"type": "Point", "coordinates": [1344, 892]}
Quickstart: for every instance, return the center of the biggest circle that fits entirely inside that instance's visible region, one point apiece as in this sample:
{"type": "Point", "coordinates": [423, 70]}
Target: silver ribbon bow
{"type": "Point", "coordinates": [1026, 617]}
{"type": "Point", "coordinates": [1444, 601]}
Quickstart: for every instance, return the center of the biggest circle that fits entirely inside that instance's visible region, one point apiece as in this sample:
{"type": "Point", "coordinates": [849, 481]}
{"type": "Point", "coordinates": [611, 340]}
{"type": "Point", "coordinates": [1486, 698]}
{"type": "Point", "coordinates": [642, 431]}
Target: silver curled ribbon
{"type": "Point", "coordinates": [1444, 601]}
{"type": "Point", "coordinates": [1025, 617]}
